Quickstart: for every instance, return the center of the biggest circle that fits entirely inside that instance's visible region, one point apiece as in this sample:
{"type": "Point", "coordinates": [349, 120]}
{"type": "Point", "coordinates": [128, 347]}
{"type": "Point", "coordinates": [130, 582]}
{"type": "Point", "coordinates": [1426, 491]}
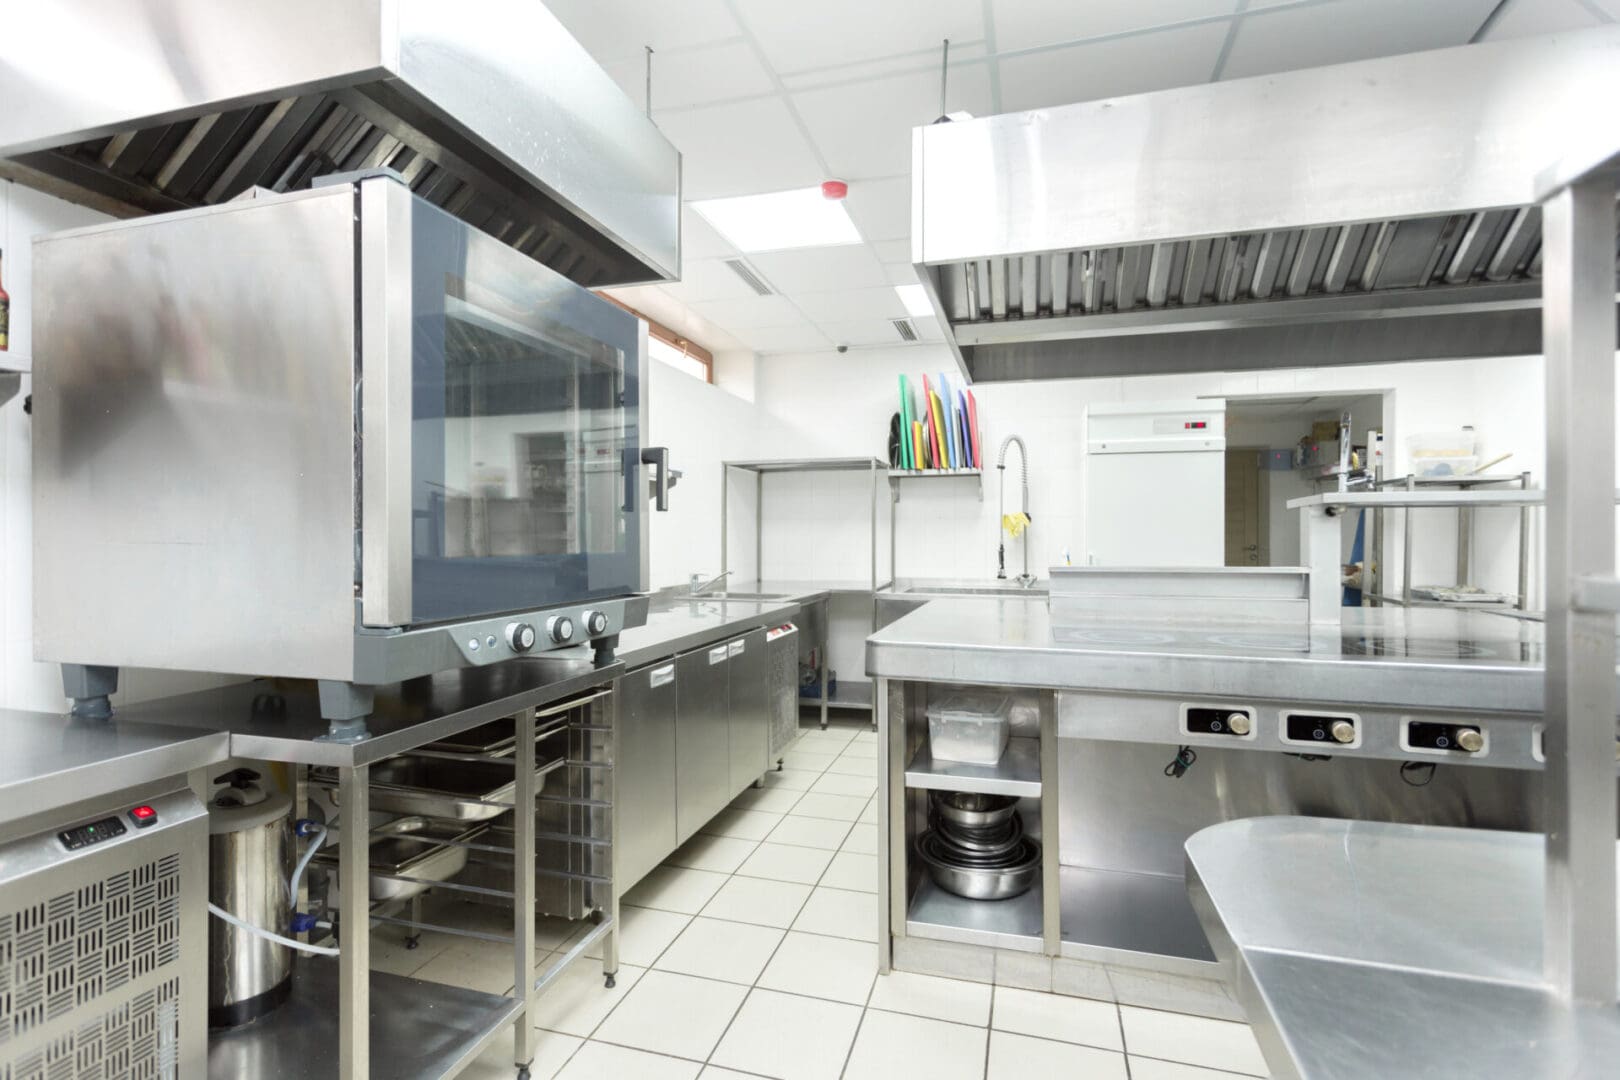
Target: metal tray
{"type": "Point", "coordinates": [392, 854]}
{"type": "Point", "coordinates": [499, 737]}
{"type": "Point", "coordinates": [455, 790]}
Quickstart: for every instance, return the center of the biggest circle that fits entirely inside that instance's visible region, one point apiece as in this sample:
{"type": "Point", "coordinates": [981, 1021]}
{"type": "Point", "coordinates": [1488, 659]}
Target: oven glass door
{"type": "Point", "coordinates": [525, 431]}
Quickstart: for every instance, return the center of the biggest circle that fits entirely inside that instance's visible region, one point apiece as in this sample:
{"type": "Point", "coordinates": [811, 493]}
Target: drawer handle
{"type": "Point", "coordinates": [662, 676]}
{"type": "Point", "coordinates": [736, 648]}
{"type": "Point", "coordinates": [718, 655]}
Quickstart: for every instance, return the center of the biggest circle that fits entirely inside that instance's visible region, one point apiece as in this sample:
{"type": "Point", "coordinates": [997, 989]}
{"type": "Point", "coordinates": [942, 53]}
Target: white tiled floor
{"type": "Point", "coordinates": [750, 954]}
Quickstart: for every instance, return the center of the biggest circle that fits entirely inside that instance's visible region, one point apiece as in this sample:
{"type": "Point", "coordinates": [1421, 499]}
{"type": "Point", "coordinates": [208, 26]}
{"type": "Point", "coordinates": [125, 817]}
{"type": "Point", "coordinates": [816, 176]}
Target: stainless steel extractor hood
{"type": "Point", "coordinates": [489, 108]}
{"type": "Point", "coordinates": [1380, 210]}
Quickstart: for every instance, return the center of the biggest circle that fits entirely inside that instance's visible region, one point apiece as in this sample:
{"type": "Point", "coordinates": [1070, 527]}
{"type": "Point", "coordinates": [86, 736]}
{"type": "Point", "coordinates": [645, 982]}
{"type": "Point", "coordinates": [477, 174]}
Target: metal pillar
{"type": "Point", "coordinates": [354, 953]}
{"type": "Point", "coordinates": [1578, 338]}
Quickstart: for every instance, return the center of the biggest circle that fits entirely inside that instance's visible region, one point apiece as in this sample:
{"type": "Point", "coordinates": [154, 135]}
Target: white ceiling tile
{"type": "Point", "coordinates": [864, 128]}
{"type": "Point", "coordinates": [708, 279]}
{"type": "Point", "coordinates": [743, 148]}
{"type": "Point", "coordinates": [699, 75]}
{"type": "Point", "coordinates": [1105, 69]}
{"type": "Point", "coordinates": [1284, 39]}
{"type": "Point", "coordinates": [893, 251]}
{"type": "Point", "coordinates": [699, 239]}
{"type": "Point", "coordinates": [900, 273]}
{"type": "Point", "coordinates": [862, 332]}
{"type": "Point", "coordinates": [850, 304]}
{"type": "Point", "coordinates": [1522, 18]}
{"type": "Point", "coordinates": [881, 209]}
{"type": "Point", "coordinates": [848, 266]}
{"type": "Point", "coordinates": [833, 33]}
{"type": "Point", "coordinates": [1022, 24]}
{"type": "Point", "coordinates": [800, 337]}
{"type": "Point", "coordinates": [614, 31]}
{"type": "Point", "coordinates": [750, 311]}
{"type": "Point", "coordinates": [654, 302]}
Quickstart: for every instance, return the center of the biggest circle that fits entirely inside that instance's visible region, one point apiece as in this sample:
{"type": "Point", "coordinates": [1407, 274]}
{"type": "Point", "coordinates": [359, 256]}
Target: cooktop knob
{"type": "Point", "coordinates": [1470, 739]}
{"type": "Point", "coordinates": [1238, 723]}
{"type": "Point", "coordinates": [1343, 731]}
{"type": "Point", "coordinates": [520, 636]}
{"type": "Point", "coordinates": [559, 628]}
{"type": "Point", "coordinates": [596, 623]}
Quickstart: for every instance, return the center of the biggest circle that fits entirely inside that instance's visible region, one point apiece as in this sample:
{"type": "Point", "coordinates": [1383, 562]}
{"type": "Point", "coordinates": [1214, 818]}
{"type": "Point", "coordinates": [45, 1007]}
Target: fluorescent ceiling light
{"type": "Point", "coordinates": [780, 220]}
{"type": "Point", "coordinates": [915, 297]}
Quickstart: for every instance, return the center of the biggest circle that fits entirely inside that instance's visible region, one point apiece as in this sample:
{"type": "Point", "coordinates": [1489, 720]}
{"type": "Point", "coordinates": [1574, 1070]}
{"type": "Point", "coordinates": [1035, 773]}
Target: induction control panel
{"type": "Point", "coordinates": [107, 828]}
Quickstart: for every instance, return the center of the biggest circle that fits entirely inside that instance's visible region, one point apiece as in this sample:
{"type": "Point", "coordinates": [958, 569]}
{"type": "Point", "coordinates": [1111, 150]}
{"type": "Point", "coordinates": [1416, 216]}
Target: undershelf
{"type": "Point", "coordinates": [846, 695]}
{"type": "Point", "coordinates": [1017, 773]}
{"type": "Point", "coordinates": [1000, 924]}
{"type": "Point", "coordinates": [1117, 911]}
{"type": "Point", "coordinates": [417, 1028]}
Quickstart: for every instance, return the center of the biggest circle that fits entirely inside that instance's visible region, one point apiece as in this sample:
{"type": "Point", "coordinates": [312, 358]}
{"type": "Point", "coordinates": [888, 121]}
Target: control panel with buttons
{"type": "Point", "coordinates": [1462, 739]}
{"type": "Point", "coordinates": [1234, 721]}
{"type": "Point", "coordinates": [1321, 729]}
{"type": "Point", "coordinates": [93, 833]}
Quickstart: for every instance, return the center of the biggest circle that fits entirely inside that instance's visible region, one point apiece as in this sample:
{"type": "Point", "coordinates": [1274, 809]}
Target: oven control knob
{"type": "Point", "coordinates": [559, 628]}
{"type": "Point", "coordinates": [1470, 739]}
{"type": "Point", "coordinates": [1343, 731]}
{"type": "Point", "coordinates": [1238, 723]}
{"type": "Point", "coordinates": [520, 636]}
{"type": "Point", "coordinates": [596, 623]}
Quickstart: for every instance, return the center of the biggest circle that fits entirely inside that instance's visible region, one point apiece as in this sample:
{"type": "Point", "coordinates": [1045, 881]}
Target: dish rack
{"type": "Point", "coordinates": [454, 830]}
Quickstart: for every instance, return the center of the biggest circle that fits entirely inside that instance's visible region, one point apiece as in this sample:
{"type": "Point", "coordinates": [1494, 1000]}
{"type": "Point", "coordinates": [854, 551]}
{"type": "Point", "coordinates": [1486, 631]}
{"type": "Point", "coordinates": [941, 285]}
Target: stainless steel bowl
{"type": "Point", "coordinates": [970, 810]}
{"type": "Point", "coordinates": [979, 843]}
{"type": "Point", "coordinates": [1014, 878]}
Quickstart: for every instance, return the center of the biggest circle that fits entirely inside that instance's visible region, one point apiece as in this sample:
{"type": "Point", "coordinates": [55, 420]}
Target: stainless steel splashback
{"type": "Point", "coordinates": [487, 107]}
{"type": "Point", "coordinates": [1379, 210]}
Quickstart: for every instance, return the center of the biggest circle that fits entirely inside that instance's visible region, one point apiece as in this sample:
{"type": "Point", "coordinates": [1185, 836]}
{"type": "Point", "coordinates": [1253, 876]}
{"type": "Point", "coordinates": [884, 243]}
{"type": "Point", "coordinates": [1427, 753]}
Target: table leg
{"type": "Point", "coordinates": [523, 840]}
{"type": "Point", "coordinates": [354, 955]}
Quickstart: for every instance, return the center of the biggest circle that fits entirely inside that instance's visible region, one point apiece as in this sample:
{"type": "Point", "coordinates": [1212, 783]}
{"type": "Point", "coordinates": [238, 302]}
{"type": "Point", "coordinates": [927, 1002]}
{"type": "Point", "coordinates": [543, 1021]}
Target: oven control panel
{"type": "Point", "coordinates": [1321, 728]}
{"type": "Point", "coordinates": [1229, 721]}
{"type": "Point", "coordinates": [1428, 736]}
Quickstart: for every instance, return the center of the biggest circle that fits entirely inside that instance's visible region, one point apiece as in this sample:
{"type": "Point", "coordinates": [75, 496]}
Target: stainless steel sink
{"type": "Point", "coordinates": [701, 597]}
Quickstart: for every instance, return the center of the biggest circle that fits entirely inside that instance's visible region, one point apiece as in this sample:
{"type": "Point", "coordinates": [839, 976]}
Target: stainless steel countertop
{"type": "Point", "coordinates": [1367, 949]}
{"type": "Point", "coordinates": [1419, 657]}
{"type": "Point", "coordinates": [53, 760]}
{"type": "Point", "coordinates": [280, 719]}
{"type": "Point", "coordinates": [675, 625]}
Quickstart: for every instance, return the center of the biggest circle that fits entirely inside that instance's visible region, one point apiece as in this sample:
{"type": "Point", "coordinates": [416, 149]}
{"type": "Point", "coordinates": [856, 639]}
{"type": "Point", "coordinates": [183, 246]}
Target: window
{"type": "Point", "coordinates": [666, 345]}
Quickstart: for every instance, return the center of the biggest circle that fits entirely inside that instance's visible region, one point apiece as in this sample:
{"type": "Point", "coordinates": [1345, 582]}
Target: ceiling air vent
{"type": "Point", "coordinates": [749, 276]}
{"type": "Point", "coordinates": [905, 329]}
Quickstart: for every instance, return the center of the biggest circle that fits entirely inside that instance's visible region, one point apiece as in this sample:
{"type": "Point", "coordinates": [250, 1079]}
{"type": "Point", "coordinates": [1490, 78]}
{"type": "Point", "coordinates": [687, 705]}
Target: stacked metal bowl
{"type": "Point", "coordinates": [975, 846]}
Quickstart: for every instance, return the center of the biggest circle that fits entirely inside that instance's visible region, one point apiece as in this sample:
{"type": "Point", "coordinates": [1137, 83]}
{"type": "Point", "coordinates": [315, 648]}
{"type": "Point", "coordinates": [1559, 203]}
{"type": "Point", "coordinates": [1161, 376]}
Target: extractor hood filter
{"type": "Point", "coordinates": [488, 108]}
{"type": "Point", "coordinates": [1264, 222]}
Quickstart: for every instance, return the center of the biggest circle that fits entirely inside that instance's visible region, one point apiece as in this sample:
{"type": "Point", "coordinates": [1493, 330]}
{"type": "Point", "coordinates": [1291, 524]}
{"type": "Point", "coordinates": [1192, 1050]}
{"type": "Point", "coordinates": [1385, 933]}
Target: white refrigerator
{"type": "Point", "coordinates": [1155, 478]}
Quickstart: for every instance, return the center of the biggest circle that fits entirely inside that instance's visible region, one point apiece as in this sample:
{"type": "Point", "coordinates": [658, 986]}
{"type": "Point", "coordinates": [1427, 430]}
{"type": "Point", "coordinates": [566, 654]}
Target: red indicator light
{"type": "Point", "coordinates": [143, 811]}
{"type": "Point", "coordinates": [143, 816]}
{"type": "Point", "coordinates": [1196, 425]}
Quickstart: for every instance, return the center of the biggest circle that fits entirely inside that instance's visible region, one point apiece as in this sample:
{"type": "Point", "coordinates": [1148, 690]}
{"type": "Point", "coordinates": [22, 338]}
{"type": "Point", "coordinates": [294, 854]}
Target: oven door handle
{"type": "Point", "coordinates": [658, 458]}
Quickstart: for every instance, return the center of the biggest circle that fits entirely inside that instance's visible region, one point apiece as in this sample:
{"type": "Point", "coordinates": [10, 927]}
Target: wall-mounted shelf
{"type": "Point", "coordinates": [896, 475]}
{"type": "Point", "coordinates": [1017, 773]}
{"type": "Point", "coordinates": [19, 363]}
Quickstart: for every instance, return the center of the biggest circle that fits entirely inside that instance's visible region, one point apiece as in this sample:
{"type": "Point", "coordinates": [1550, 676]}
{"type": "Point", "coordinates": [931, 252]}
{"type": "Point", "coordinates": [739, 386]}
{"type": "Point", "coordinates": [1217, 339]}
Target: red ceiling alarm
{"type": "Point", "coordinates": [834, 189]}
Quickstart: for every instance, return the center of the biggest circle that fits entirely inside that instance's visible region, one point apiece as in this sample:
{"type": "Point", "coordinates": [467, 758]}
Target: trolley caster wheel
{"type": "Point", "coordinates": [610, 981]}
{"type": "Point", "coordinates": [413, 942]}
{"type": "Point", "coordinates": [780, 766]}
{"type": "Point", "coordinates": [523, 1073]}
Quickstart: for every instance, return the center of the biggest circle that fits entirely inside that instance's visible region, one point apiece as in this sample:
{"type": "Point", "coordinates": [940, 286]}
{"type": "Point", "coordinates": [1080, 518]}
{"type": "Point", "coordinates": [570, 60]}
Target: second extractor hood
{"type": "Point", "coordinates": [488, 108]}
{"type": "Point", "coordinates": [1365, 212]}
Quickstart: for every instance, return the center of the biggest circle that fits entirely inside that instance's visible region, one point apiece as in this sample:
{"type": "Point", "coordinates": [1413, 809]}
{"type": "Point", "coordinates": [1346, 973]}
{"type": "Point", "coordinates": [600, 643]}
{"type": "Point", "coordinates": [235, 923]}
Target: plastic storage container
{"type": "Point", "coordinates": [1443, 453]}
{"type": "Point", "coordinates": [969, 727]}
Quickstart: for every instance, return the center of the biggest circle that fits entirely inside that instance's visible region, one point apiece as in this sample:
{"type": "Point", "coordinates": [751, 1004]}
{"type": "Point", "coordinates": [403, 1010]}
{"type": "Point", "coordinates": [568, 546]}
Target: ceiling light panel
{"type": "Point", "coordinates": [915, 297]}
{"type": "Point", "coordinates": [780, 221]}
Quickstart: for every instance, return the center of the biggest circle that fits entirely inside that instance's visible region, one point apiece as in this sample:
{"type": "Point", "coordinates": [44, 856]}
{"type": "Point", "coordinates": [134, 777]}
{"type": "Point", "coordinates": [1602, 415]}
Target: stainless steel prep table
{"type": "Point", "coordinates": [678, 623]}
{"type": "Point", "coordinates": [1384, 656]}
{"type": "Point", "coordinates": [1100, 709]}
{"type": "Point", "coordinates": [280, 720]}
{"type": "Point", "coordinates": [1430, 937]}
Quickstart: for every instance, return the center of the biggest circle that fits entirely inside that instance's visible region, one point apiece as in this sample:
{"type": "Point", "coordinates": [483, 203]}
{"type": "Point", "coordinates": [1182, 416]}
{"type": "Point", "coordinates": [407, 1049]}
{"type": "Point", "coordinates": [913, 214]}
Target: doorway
{"type": "Point", "coordinates": [1246, 532]}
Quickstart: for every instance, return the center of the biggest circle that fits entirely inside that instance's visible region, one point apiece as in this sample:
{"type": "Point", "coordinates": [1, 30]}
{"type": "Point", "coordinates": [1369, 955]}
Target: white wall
{"type": "Point", "coordinates": [944, 530]}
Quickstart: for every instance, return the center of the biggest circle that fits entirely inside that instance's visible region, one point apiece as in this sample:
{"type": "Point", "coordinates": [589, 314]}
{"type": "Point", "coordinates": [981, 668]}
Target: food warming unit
{"type": "Point", "coordinates": [352, 426]}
